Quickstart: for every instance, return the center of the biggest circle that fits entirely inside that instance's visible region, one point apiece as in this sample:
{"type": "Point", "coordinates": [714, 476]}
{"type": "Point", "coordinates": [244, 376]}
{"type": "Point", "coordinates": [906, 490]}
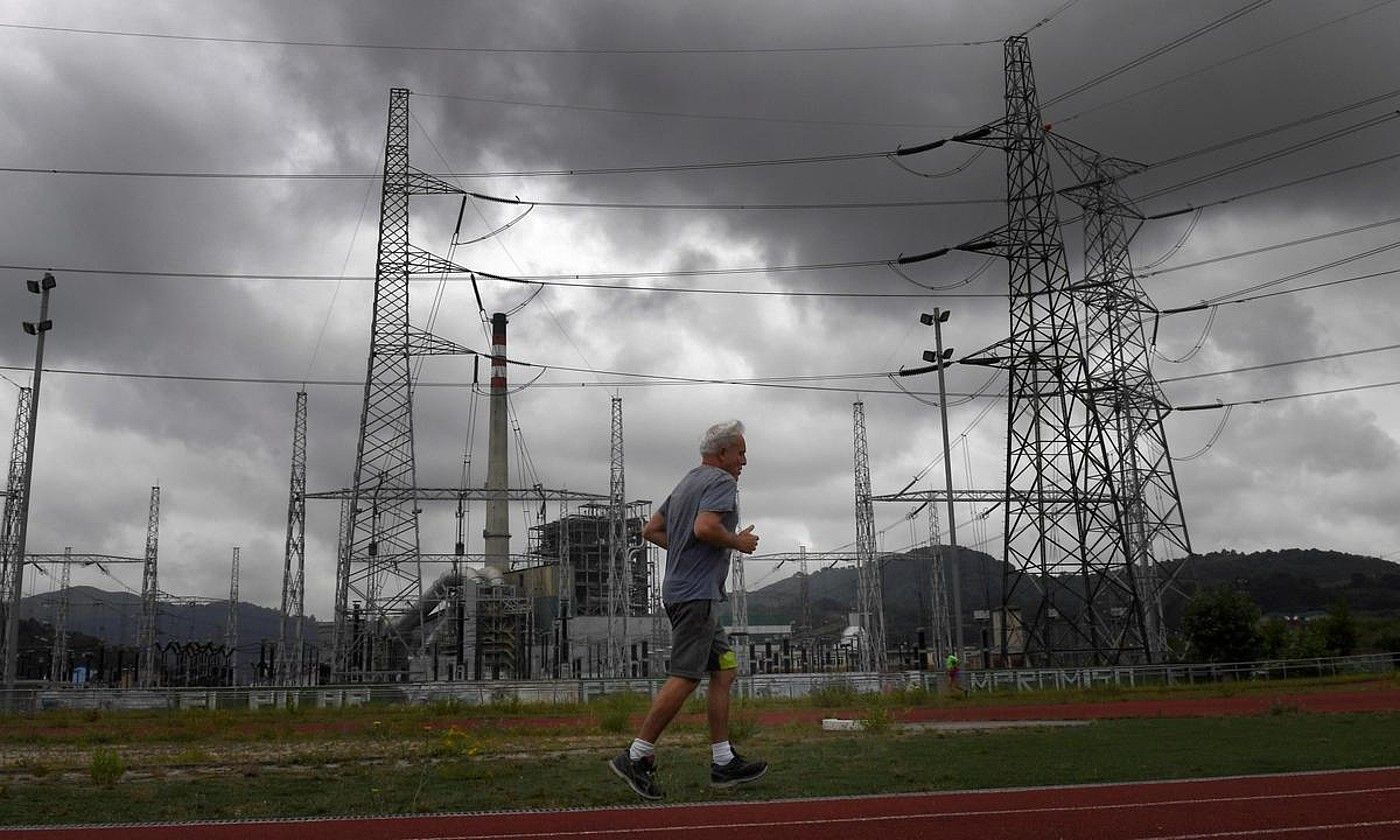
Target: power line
{"type": "Point", "coordinates": [692, 115]}
{"type": "Point", "coordinates": [1274, 155]}
{"type": "Point", "coordinates": [1266, 132]}
{"type": "Point", "coordinates": [637, 51]}
{"type": "Point", "coordinates": [1281, 397]}
{"type": "Point", "coordinates": [790, 383]}
{"type": "Point", "coordinates": [524, 173]}
{"type": "Point", "coordinates": [1266, 248]}
{"type": "Point", "coordinates": [528, 281]}
{"type": "Point", "coordinates": [1262, 190]}
{"type": "Point", "coordinates": [1162, 50]}
{"type": "Point", "coordinates": [668, 167]}
{"type": "Point", "coordinates": [1222, 62]}
{"type": "Point", "coordinates": [819, 205]}
{"type": "Point", "coordinates": [1270, 365]}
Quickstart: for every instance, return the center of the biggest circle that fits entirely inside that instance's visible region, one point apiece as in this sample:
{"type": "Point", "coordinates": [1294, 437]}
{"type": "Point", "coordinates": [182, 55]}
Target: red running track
{"type": "Point", "coordinates": [1341, 805]}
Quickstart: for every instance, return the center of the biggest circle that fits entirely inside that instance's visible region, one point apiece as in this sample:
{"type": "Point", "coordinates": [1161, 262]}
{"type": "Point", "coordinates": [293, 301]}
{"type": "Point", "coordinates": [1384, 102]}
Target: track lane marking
{"type": "Point", "coordinates": [1259, 832]}
{"type": "Point", "coordinates": [999, 812]}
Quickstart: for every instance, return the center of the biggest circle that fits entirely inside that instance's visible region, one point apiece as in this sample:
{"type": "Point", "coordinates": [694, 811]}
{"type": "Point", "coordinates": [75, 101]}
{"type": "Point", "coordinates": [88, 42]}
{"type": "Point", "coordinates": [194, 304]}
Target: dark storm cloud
{"type": "Point", "coordinates": [220, 451]}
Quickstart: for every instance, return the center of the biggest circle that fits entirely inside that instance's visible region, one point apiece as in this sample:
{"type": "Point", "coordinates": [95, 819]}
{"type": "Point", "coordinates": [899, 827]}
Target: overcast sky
{"type": "Point", "coordinates": [1315, 471]}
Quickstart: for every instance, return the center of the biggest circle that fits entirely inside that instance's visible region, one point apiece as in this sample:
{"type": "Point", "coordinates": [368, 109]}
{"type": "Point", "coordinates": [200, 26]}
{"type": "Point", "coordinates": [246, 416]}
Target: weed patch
{"type": "Point", "coordinates": [106, 767]}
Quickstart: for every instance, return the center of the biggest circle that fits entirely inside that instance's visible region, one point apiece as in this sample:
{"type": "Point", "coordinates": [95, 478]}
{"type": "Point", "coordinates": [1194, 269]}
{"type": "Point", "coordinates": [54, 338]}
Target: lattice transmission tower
{"type": "Point", "coordinates": [617, 580]}
{"type": "Point", "coordinates": [1118, 323]}
{"type": "Point", "coordinates": [231, 621]}
{"type": "Point", "coordinates": [870, 602]}
{"type": "Point", "coordinates": [1065, 542]}
{"type": "Point", "coordinates": [381, 561]}
{"type": "Point", "coordinates": [58, 655]}
{"type": "Point", "coordinates": [150, 590]}
{"type": "Point", "coordinates": [940, 613]}
{"type": "Point", "coordinates": [10, 554]}
{"type": "Point", "coordinates": [289, 636]}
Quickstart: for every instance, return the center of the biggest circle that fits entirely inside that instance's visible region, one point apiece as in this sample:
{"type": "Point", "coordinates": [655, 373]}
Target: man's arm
{"type": "Point", "coordinates": [709, 526]}
{"type": "Point", "coordinates": [654, 531]}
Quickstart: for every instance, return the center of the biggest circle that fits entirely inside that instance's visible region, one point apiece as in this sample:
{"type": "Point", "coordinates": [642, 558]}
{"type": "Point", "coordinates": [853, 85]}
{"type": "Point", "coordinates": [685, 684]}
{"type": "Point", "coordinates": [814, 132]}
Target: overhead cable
{"type": "Point", "coordinates": [1266, 248]}
{"type": "Point", "coordinates": [1270, 365]}
{"type": "Point", "coordinates": [524, 280]}
{"type": "Point", "coordinates": [1272, 156]}
{"type": "Point", "coordinates": [1159, 51]}
{"type": "Point", "coordinates": [786, 383]}
{"type": "Point", "coordinates": [638, 51]}
{"type": "Point", "coordinates": [691, 115]}
{"type": "Point", "coordinates": [523, 173]}
{"type": "Point", "coordinates": [1347, 389]}
{"type": "Point", "coordinates": [1200, 70]}
{"type": "Point", "coordinates": [696, 205]}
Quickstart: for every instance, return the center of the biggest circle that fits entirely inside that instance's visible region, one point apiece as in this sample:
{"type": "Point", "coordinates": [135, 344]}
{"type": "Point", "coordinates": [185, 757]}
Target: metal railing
{"type": "Point", "coordinates": [30, 700]}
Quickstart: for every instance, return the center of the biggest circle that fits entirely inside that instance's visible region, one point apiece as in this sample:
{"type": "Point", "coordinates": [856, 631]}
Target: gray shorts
{"type": "Point", "coordinates": [699, 645]}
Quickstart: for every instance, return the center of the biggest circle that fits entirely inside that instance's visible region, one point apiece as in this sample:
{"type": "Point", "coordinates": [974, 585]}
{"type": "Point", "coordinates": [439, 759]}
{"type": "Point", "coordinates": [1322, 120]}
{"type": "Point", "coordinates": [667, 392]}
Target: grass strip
{"type": "Point", "coordinates": [806, 762]}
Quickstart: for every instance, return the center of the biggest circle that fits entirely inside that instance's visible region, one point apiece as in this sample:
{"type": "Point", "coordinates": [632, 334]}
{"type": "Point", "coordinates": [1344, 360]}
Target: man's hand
{"type": "Point", "coordinates": [709, 526]}
{"type": "Point", "coordinates": [654, 531]}
{"type": "Point", "coordinates": [746, 540]}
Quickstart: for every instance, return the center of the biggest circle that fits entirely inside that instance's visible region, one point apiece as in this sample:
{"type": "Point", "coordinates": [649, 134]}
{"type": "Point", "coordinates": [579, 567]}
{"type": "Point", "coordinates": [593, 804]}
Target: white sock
{"type": "Point", "coordinates": [722, 753]}
{"type": "Point", "coordinates": [640, 749]}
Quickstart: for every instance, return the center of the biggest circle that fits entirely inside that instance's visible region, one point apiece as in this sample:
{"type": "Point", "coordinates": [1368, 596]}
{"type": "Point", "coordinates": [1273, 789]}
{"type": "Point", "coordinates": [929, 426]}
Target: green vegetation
{"type": "Point", "coordinates": [106, 767]}
{"type": "Point", "coordinates": [564, 772]}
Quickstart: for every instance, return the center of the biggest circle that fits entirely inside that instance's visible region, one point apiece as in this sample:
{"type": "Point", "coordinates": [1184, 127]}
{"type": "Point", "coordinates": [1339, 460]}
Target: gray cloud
{"type": "Point", "coordinates": [219, 451]}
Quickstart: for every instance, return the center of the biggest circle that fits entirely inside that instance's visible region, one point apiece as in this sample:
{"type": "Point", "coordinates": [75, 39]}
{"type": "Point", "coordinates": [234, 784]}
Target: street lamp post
{"type": "Point", "coordinates": [34, 328]}
{"type": "Point", "coordinates": [940, 360]}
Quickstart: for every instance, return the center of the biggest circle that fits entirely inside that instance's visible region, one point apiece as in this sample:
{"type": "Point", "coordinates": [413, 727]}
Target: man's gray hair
{"type": "Point", "coordinates": [719, 436]}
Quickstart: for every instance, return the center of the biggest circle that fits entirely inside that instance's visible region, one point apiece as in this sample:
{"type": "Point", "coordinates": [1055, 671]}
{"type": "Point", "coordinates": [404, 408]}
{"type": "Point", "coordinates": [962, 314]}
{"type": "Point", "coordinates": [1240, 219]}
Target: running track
{"type": "Point", "coordinates": [1341, 805]}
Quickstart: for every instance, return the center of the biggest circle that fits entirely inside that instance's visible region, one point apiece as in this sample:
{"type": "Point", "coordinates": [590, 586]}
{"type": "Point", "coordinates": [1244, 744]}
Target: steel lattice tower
{"type": "Point", "coordinates": [381, 559]}
{"type": "Point", "coordinates": [739, 587]}
{"type": "Point", "coordinates": [289, 646]}
{"type": "Point", "coordinates": [231, 621]}
{"type": "Point", "coordinates": [940, 616]}
{"type": "Point", "coordinates": [870, 604]}
{"type": "Point", "coordinates": [58, 657]}
{"type": "Point", "coordinates": [1124, 394]}
{"type": "Point", "coordinates": [9, 531]}
{"type": "Point", "coordinates": [1064, 540]}
{"type": "Point", "coordinates": [146, 630]}
{"type": "Point", "coordinates": [618, 601]}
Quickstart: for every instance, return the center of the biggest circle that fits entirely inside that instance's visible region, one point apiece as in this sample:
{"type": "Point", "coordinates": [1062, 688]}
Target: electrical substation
{"type": "Point", "coordinates": [1090, 508]}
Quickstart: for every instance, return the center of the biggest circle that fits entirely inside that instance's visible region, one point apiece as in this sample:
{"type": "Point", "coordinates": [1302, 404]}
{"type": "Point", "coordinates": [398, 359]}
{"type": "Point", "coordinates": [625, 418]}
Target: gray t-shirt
{"type": "Point", "coordinates": [695, 570]}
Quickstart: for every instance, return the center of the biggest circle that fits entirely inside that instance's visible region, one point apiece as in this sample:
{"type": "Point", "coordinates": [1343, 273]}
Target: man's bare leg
{"type": "Point", "coordinates": [718, 706]}
{"type": "Point", "coordinates": [664, 707]}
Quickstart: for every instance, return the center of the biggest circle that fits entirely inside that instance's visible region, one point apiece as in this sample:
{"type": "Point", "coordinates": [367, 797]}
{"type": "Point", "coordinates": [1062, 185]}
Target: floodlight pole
{"type": "Point", "coordinates": [939, 316]}
{"type": "Point", "coordinates": [41, 288]}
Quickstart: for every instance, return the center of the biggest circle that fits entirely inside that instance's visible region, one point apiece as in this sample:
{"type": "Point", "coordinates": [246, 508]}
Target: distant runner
{"type": "Point", "coordinates": [951, 666]}
{"type": "Point", "coordinates": [696, 525]}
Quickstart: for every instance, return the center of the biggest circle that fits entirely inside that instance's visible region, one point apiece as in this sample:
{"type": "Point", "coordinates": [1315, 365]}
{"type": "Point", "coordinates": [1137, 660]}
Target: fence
{"type": "Point", "coordinates": [789, 686]}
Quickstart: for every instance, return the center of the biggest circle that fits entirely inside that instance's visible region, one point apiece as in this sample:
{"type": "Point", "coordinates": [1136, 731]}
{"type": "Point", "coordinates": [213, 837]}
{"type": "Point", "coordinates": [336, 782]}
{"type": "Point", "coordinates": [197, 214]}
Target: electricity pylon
{"type": "Point", "coordinates": [1130, 405]}
{"type": "Point", "coordinates": [231, 621]}
{"type": "Point", "coordinates": [58, 657]}
{"type": "Point", "coordinates": [10, 554]}
{"type": "Point", "coordinates": [150, 590]}
{"type": "Point", "coordinates": [870, 603]}
{"type": "Point", "coordinates": [617, 580]}
{"type": "Point", "coordinates": [289, 637]}
{"type": "Point", "coordinates": [1064, 539]}
{"type": "Point", "coordinates": [382, 561]}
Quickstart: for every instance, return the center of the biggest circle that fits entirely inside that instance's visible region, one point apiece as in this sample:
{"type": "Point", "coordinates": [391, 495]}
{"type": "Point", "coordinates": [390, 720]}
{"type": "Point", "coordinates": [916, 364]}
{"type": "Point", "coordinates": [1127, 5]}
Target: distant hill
{"type": "Point", "coordinates": [114, 618]}
{"type": "Point", "coordinates": [1287, 581]}
{"type": "Point", "coordinates": [1302, 580]}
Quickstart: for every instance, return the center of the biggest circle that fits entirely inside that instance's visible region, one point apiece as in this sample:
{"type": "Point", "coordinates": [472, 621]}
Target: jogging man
{"type": "Point", "coordinates": [697, 526]}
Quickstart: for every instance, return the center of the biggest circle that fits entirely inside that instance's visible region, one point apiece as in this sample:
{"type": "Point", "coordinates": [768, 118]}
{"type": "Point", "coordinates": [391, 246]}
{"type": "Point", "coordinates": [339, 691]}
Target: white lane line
{"type": "Point", "coordinates": [998, 812]}
{"type": "Point", "coordinates": [1260, 832]}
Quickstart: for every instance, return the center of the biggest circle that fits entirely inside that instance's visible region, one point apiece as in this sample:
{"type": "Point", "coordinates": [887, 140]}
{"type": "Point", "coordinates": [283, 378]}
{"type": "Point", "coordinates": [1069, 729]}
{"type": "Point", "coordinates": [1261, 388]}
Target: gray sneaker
{"type": "Point", "coordinates": [640, 776]}
{"type": "Point", "coordinates": [737, 772]}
